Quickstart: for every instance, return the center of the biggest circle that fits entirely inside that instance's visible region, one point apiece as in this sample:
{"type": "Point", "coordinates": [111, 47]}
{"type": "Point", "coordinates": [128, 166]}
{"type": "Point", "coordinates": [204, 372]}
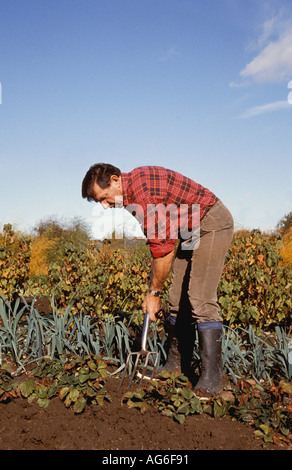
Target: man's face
{"type": "Point", "coordinates": [112, 196]}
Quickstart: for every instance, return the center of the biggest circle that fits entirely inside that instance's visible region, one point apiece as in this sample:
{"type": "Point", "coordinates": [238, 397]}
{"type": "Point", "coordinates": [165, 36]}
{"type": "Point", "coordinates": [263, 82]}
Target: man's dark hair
{"type": "Point", "coordinates": [99, 173]}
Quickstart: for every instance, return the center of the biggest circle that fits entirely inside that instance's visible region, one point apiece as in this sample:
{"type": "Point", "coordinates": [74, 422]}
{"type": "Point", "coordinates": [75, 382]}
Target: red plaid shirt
{"type": "Point", "coordinates": [153, 193]}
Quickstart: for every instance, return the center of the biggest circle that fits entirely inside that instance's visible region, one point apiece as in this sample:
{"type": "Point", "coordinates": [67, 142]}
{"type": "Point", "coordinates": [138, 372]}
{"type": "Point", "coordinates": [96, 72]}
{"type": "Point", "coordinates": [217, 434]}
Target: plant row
{"type": "Point", "coordinates": [77, 383]}
{"type": "Point", "coordinates": [256, 288]}
{"type": "Point", "coordinates": [27, 336]}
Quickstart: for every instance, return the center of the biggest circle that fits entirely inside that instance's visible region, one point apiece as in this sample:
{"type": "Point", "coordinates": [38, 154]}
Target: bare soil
{"type": "Point", "coordinates": [113, 426]}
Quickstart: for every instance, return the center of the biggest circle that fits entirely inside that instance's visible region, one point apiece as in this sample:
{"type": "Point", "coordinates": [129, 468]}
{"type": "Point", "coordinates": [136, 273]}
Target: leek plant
{"type": "Point", "coordinates": [12, 328]}
{"type": "Point", "coordinates": [87, 335]}
{"type": "Point", "coordinates": [27, 336]}
{"type": "Point", "coordinates": [115, 340]}
{"type": "Point", "coordinates": [261, 356]}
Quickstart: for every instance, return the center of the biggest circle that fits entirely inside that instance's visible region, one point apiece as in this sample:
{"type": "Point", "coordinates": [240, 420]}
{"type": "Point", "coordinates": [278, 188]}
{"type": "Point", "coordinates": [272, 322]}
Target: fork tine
{"type": "Point", "coordinates": [144, 368]}
{"type": "Point", "coordinates": [142, 352]}
{"type": "Point", "coordinates": [123, 378]}
{"type": "Point", "coordinates": [154, 362]}
{"type": "Point", "coordinates": [135, 368]}
{"type": "Point", "coordinates": [125, 370]}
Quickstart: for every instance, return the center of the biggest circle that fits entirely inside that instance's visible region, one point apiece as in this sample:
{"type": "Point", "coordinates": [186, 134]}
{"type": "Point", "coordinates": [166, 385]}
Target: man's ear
{"type": "Point", "coordinates": [114, 179]}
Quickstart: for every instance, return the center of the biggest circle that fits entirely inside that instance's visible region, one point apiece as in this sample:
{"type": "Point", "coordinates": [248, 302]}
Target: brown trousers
{"type": "Point", "coordinates": [197, 272]}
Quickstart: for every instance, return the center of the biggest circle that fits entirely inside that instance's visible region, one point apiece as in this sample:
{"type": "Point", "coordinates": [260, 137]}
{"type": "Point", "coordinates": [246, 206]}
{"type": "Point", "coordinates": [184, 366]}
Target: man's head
{"type": "Point", "coordinates": [102, 183]}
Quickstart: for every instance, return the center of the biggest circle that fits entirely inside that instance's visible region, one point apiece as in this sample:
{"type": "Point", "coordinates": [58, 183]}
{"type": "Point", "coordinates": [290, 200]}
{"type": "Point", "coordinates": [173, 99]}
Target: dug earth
{"type": "Point", "coordinates": [114, 426]}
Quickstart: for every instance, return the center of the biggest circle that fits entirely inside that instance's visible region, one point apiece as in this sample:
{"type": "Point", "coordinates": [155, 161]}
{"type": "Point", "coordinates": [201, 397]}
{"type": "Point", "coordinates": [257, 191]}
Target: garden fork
{"type": "Point", "coordinates": [142, 352]}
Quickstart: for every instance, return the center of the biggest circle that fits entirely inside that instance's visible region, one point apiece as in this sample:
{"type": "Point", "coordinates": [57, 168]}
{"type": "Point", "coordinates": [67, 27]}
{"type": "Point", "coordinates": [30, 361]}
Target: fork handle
{"type": "Point", "coordinates": [145, 331]}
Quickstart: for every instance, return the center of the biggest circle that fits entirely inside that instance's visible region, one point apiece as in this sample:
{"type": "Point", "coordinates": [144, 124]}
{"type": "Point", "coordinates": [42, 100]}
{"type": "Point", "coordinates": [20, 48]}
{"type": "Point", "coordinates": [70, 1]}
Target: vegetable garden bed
{"type": "Point", "coordinates": [71, 401]}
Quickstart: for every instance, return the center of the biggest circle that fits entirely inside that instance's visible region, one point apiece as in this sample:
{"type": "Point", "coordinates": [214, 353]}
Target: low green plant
{"type": "Point", "coordinates": [173, 396]}
{"type": "Point", "coordinates": [169, 394]}
{"type": "Point", "coordinates": [77, 383]}
{"type": "Point", "coordinates": [8, 384]}
{"type": "Point", "coordinates": [267, 409]}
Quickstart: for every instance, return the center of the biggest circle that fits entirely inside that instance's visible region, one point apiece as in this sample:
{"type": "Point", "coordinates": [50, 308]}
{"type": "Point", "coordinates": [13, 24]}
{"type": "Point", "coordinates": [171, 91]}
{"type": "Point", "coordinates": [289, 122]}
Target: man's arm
{"type": "Point", "coordinates": [161, 268]}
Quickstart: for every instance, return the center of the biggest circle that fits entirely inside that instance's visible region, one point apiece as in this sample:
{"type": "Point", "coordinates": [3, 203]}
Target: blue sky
{"type": "Point", "coordinates": [197, 86]}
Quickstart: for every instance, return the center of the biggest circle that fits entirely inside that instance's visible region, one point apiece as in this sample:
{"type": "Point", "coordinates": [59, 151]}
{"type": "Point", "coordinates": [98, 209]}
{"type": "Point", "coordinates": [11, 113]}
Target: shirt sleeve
{"type": "Point", "coordinates": [159, 248]}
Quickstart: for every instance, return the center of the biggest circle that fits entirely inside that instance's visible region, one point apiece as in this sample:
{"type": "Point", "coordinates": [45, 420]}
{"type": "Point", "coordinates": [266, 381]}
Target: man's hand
{"type": "Point", "coordinates": [151, 305]}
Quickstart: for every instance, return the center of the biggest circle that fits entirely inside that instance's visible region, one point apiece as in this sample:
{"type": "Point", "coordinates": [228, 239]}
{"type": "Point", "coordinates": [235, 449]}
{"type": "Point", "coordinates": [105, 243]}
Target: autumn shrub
{"type": "Point", "coordinates": [39, 263]}
{"type": "Point", "coordinates": [286, 248]}
{"type": "Point", "coordinates": [64, 264]}
{"type": "Point", "coordinates": [14, 260]}
{"type": "Point", "coordinates": [285, 224]}
{"type": "Point", "coordinates": [58, 233]}
{"type": "Point", "coordinates": [52, 244]}
{"type": "Point", "coordinates": [255, 288]}
{"type": "Point", "coordinates": [101, 280]}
